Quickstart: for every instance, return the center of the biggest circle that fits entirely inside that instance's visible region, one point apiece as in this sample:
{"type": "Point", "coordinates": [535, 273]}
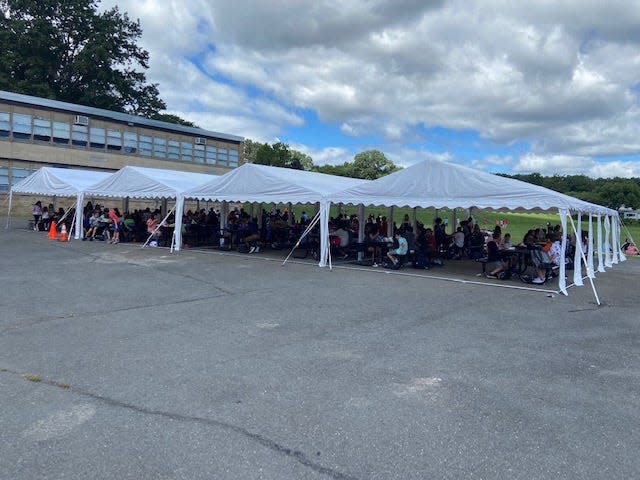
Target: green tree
{"type": "Point", "coordinates": [301, 161]}
{"type": "Point", "coordinates": [371, 164]}
{"type": "Point", "coordinates": [66, 50]}
{"type": "Point", "coordinates": [250, 150]}
{"type": "Point", "coordinates": [264, 155]}
{"type": "Point", "coordinates": [277, 155]}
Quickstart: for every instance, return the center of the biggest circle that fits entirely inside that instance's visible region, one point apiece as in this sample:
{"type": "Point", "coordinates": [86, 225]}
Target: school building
{"type": "Point", "coordinates": [36, 132]}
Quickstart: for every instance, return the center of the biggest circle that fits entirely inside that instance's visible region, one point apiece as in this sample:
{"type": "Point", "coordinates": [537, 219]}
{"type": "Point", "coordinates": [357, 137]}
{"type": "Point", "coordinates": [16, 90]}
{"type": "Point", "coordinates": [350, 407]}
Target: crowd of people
{"type": "Point", "coordinates": [389, 245]}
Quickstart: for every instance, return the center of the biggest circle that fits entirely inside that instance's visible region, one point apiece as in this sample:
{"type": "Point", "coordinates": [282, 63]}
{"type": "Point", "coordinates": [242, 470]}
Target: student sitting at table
{"type": "Point", "coordinates": [425, 245]}
{"type": "Point", "coordinates": [342, 235]}
{"type": "Point", "coordinates": [476, 243]}
{"type": "Point", "coordinates": [372, 241]}
{"type": "Point", "coordinates": [252, 235]}
{"type": "Point", "coordinates": [494, 258]}
{"type": "Point", "coordinates": [402, 249]}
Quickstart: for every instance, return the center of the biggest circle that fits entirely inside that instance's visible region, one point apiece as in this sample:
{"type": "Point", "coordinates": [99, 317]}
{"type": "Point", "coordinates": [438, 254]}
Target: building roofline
{"type": "Point", "coordinates": [111, 115]}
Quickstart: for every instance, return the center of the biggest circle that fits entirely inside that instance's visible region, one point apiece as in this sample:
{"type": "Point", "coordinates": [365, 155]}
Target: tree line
{"type": "Point", "coordinates": [610, 192]}
{"type": "Point", "coordinates": [369, 165]}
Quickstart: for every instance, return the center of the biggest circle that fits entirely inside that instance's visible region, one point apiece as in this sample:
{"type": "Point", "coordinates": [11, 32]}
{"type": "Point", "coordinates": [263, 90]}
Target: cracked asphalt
{"type": "Point", "coordinates": [201, 365]}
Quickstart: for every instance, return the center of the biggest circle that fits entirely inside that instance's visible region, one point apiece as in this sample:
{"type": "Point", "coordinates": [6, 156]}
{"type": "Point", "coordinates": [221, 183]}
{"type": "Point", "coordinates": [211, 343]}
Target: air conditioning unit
{"type": "Point", "coordinates": [81, 120]}
{"type": "Point", "coordinates": [201, 141]}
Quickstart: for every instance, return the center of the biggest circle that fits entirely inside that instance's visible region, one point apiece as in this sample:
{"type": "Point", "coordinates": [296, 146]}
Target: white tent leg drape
{"type": "Point", "coordinates": [621, 254]}
{"type": "Point", "coordinates": [590, 270]}
{"type": "Point", "coordinates": [562, 280]}
{"type": "Point", "coordinates": [607, 242]}
{"type": "Point", "coordinates": [577, 257]}
{"type": "Point", "coordinates": [177, 230]}
{"type": "Point", "coordinates": [324, 233]}
{"type": "Point", "coordinates": [600, 248]}
{"type": "Point", "coordinates": [361, 224]}
{"type": "Point", "coordinates": [79, 216]}
{"type": "Point", "coordinates": [615, 241]}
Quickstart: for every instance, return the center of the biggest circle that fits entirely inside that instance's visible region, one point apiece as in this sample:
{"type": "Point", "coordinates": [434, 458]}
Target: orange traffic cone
{"type": "Point", "coordinates": [53, 234]}
{"type": "Point", "coordinates": [63, 234]}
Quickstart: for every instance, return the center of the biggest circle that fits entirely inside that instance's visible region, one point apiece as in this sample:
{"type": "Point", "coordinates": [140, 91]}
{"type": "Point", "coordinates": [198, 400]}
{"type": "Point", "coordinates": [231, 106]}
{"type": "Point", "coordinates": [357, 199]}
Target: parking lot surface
{"type": "Point", "coordinates": [118, 362]}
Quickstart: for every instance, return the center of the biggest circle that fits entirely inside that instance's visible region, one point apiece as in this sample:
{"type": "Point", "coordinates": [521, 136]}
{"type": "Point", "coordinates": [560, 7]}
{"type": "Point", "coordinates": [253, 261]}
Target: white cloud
{"type": "Point", "coordinates": [325, 156]}
{"type": "Point", "coordinates": [561, 77]}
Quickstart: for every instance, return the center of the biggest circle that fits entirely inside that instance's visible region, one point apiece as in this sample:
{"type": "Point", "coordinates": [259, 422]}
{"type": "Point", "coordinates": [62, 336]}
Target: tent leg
{"type": "Point", "coordinates": [584, 259]}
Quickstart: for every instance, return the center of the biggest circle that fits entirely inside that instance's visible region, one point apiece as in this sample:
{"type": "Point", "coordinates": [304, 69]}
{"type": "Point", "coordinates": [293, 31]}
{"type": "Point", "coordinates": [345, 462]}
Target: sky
{"type": "Point", "coordinates": [545, 86]}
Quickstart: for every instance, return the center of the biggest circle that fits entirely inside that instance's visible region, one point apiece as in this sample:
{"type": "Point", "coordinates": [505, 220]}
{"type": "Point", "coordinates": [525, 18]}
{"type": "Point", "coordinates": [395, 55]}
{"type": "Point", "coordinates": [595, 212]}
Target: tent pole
{"type": "Point", "coordinates": [562, 281]}
{"type": "Point", "coordinates": [577, 272]}
{"type": "Point", "coordinates": [176, 238]}
{"type": "Point", "coordinates": [78, 217]}
{"type": "Point", "coordinates": [600, 249]}
{"type": "Point", "coordinates": [324, 208]}
{"type": "Point", "coordinates": [304, 234]}
{"type": "Point", "coordinates": [593, 287]}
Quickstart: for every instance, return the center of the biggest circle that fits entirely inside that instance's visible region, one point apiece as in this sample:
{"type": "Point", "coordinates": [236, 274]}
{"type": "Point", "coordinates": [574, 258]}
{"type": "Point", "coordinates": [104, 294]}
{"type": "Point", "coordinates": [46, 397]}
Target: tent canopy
{"type": "Point", "coordinates": [266, 184]}
{"type": "Point", "coordinates": [63, 182]}
{"type": "Point", "coordinates": [446, 185]}
{"type": "Point", "coordinates": [141, 182]}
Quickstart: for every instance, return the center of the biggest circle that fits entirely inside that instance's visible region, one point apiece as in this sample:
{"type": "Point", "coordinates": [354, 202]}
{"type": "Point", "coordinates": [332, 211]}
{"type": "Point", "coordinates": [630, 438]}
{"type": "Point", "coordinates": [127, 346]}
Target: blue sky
{"type": "Point", "coordinates": [550, 87]}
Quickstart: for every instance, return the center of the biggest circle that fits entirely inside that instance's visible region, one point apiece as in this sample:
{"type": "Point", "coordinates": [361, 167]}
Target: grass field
{"type": "Point", "coordinates": [516, 224]}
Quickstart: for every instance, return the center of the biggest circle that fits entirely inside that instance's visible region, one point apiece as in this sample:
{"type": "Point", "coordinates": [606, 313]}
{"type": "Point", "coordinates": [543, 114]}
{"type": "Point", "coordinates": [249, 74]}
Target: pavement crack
{"type": "Point", "coordinates": [49, 318]}
{"type": "Point", "coordinates": [266, 442]}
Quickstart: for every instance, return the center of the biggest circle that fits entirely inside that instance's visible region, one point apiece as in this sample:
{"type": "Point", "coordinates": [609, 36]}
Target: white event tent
{"type": "Point", "coordinates": [150, 183]}
{"type": "Point", "coordinates": [436, 184]}
{"type": "Point", "coordinates": [266, 184]}
{"type": "Point", "coordinates": [59, 182]}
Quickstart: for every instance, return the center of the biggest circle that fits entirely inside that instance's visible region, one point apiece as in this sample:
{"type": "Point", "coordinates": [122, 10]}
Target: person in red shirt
{"type": "Point", "coordinates": [114, 216]}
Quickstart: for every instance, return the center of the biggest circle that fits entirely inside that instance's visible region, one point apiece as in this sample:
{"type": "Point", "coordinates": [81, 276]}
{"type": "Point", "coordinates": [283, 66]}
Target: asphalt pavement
{"type": "Point", "coordinates": [118, 362]}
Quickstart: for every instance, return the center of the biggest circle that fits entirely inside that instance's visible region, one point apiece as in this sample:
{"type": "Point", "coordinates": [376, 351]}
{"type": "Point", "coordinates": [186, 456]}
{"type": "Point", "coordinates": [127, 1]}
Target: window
{"type": "Point", "coordinates": [4, 179]}
{"type": "Point", "coordinates": [61, 133]}
{"type": "Point", "coordinates": [186, 149]}
{"type": "Point", "coordinates": [145, 144]}
{"type": "Point", "coordinates": [233, 158]}
{"type": "Point", "coordinates": [159, 147]}
{"type": "Point", "coordinates": [211, 155]}
{"type": "Point", "coordinates": [79, 135]}
{"type": "Point", "coordinates": [41, 129]}
{"type": "Point", "coordinates": [18, 174]}
{"type": "Point", "coordinates": [5, 124]}
{"type": "Point", "coordinates": [223, 158]}
{"type": "Point", "coordinates": [198, 153]}
{"type": "Point", "coordinates": [114, 140]}
{"type": "Point", "coordinates": [174, 150]}
{"type": "Point", "coordinates": [21, 126]}
{"type": "Point", "coordinates": [130, 142]}
{"type": "Point", "coordinates": [97, 138]}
